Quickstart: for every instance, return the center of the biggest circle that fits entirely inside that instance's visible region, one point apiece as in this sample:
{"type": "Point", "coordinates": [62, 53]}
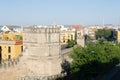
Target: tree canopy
{"type": "Point", "coordinates": [94, 60]}
{"type": "Point", "coordinates": [104, 33]}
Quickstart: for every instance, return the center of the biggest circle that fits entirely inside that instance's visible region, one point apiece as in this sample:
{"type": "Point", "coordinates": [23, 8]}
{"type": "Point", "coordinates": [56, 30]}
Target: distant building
{"type": "Point", "coordinates": [18, 29]}
{"type": "Point", "coordinates": [92, 33]}
{"type": "Point", "coordinates": [80, 34]}
{"type": "Point", "coordinates": [118, 35]}
{"type": "Point", "coordinates": [8, 29]}
{"type": "Point", "coordinates": [80, 31]}
{"type": "Point", "coordinates": [85, 31]}
{"type": "Point", "coordinates": [67, 34]}
{"type": "Point", "coordinates": [77, 27]}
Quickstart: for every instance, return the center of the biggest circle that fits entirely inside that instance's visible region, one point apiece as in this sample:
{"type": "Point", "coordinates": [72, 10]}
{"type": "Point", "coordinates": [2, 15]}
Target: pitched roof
{"type": "Point", "coordinates": [9, 29]}
{"type": "Point", "coordinates": [78, 27]}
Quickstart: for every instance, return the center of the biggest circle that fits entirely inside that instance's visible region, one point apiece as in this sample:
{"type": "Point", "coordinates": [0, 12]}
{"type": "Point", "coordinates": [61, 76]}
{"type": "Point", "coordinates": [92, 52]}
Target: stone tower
{"type": "Point", "coordinates": [42, 50]}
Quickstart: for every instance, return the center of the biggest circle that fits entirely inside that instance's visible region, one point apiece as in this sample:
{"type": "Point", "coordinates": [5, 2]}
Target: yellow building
{"type": "Point", "coordinates": [11, 46]}
{"type": "Point", "coordinates": [66, 35]}
{"type": "Point", "coordinates": [118, 36]}
{"type": "Point", "coordinates": [11, 36]}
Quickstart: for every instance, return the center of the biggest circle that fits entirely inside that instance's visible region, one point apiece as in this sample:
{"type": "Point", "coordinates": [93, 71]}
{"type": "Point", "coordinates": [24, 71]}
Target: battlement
{"type": "Point", "coordinates": [40, 30]}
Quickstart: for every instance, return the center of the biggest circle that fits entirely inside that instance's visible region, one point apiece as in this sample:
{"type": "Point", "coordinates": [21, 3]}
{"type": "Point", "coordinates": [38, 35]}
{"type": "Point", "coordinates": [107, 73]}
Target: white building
{"type": "Point", "coordinates": [7, 29]}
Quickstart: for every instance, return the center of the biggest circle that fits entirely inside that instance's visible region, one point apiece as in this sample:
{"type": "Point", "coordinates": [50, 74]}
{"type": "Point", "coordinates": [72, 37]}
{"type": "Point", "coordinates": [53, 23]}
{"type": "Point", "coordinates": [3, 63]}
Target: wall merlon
{"type": "Point", "coordinates": [40, 30]}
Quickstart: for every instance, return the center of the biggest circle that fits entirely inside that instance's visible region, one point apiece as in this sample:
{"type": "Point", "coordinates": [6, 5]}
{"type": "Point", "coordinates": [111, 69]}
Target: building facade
{"type": "Point", "coordinates": [118, 36]}
{"type": "Point", "coordinates": [67, 35]}
{"type": "Point", "coordinates": [92, 33]}
{"type": "Point", "coordinates": [11, 46]}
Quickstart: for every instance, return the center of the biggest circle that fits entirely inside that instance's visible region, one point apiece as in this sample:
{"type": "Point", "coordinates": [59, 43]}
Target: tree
{"type": "Point", "coordinates": [76, 36]}
{"type": "Point", "coordinates": [71, 43]}
{"type": "Point", "coordinates": [94, 60]}
{"type": "Point", "coordinates": [105, 33]}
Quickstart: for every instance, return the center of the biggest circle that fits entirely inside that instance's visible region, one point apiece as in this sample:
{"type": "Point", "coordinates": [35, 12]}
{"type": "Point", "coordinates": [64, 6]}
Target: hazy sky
{"type": "Point", "coordinates": [44, 12]}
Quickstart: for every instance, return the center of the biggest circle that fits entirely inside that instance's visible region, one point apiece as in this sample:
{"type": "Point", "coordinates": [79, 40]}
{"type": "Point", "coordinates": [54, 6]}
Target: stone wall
{"type": "Point", "coordinates": [43, 50]}
{"type": "Point", "coordinates": [81, 42]}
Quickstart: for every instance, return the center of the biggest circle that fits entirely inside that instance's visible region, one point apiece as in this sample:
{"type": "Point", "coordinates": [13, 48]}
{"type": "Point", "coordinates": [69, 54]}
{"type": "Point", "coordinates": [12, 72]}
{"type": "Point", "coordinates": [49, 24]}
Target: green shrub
{"type": "Point", "coordinates": [71, 43]}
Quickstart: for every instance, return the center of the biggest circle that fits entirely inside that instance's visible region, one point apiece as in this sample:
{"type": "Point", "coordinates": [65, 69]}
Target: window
{"type": "Point", "coordinates": [9, 49]}
{"type": "Point", "coordinates": [21, 48]}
